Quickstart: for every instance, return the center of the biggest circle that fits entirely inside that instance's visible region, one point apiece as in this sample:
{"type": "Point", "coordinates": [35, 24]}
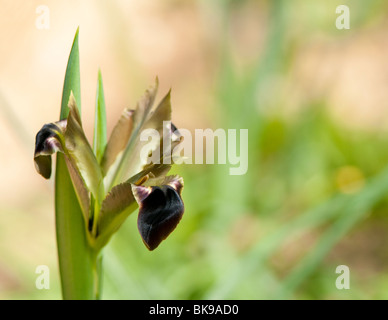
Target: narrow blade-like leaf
{"type": "Point", "coordinates": [75, 259]}
{"type": "Point", "coordinates": [100, 138]}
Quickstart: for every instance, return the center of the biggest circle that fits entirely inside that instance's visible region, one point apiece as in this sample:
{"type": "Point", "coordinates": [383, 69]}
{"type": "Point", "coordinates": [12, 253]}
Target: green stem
{"type": "Point", "coordinates": [97, 276]}
{"type": "Point", "coordinates": [76, 258]}
{"type": "Point", "coordinates": [79, 264]}
{"type": "Point", "coordinates": [95, 218]}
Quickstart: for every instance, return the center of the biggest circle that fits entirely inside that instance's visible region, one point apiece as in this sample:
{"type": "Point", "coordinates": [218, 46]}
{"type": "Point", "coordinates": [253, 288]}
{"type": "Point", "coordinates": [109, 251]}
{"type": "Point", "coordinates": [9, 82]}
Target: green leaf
{"type": "Point", "coordinates": [72, 79]}
{"type": "Point", "coordinates": [100, 137]}
{"type": "Point", "coordinates": [76, 261]}
{"type": "Point", "coordinates": [75, 256]}
{"type": "Point", "coordinates": [80, 151]}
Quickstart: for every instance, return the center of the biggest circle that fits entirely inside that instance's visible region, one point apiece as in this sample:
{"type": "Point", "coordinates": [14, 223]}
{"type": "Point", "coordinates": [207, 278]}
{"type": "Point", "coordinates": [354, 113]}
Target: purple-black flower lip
{"type": "Point", "coordinates": [47, 143]}
{"type": "Point", "coordinates": [160, 210]}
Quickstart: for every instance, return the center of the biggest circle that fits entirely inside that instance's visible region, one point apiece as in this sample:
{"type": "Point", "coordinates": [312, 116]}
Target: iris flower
{"type": "Point", "coordinates": [110, 188]}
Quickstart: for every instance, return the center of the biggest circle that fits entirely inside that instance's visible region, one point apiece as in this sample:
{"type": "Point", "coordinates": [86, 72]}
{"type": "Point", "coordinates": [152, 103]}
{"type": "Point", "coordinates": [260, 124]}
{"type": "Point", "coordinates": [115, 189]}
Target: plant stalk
{"type": "Point", "coordinates": [79, 265]}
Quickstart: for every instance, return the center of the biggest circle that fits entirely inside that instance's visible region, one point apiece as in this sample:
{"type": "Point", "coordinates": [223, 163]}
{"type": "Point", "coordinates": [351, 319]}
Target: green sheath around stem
{"type": "Point", "coordinates": [79, 270]}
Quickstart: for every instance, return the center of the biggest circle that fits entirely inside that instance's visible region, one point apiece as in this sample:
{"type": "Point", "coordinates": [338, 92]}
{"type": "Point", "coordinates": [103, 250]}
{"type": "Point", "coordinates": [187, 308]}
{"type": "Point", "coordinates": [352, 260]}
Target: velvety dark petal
{"type": "Point", "coordinates": [160, 210]}
{"type": "Point", "coordinates": [43, 166]}
{"type": "Point", "coordinates": [48, 141]}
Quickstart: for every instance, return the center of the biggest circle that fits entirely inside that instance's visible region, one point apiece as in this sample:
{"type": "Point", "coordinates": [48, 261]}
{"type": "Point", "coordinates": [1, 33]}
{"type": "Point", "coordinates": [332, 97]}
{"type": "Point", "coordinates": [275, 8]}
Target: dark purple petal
{"type": "Point", "coordinates": [160, 210]}
{"type": "Point", "coordinates": [47, 142]}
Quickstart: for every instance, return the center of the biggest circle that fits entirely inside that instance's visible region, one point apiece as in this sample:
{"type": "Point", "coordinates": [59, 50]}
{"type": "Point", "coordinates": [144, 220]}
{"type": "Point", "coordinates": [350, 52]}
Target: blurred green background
{"type": "Point", "coordinates": [314, 99]}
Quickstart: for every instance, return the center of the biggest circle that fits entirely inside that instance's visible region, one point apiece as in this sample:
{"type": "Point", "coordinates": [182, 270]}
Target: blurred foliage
{"type": "Point", "coordinates": [269, 233]}
{"type": "Point", "coordinates": [314, 197]}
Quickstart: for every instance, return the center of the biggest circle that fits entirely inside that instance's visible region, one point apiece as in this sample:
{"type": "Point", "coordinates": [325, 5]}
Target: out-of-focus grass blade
{"type": "Point", "coordinates": [255, 259]}
{"type": "Point", "coordinates": [357, 207]}
{"type": "Point", "coordinates": [74, 255]}
{"type": "Point", "coordinates": [100, 139]}
{"type": "Point", "coordinates": [347, 210]}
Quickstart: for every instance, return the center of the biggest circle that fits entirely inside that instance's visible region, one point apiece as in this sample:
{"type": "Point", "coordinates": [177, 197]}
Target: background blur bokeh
{"type": "Point", "coordinates": [313, 97]}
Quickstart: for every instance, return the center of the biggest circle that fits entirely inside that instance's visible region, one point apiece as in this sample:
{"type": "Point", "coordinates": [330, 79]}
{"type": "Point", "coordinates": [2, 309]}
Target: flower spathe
{"type": "Point", "coordinates": [119, 183]}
